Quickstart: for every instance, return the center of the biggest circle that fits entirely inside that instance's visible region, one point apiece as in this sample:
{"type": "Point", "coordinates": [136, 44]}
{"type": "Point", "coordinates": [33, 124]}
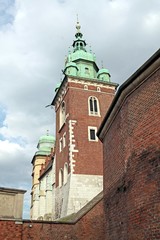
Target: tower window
{"type": "Point", "coordinates": [64, 140]}
{"type": "Point", "coordinates": [62, 114]}
{"type": "Point", "coordinates": [92, 134]}
{"type": "Point", "coordinates": [93, 106]}
{"type": "Point", "coordinates": [86, 70]}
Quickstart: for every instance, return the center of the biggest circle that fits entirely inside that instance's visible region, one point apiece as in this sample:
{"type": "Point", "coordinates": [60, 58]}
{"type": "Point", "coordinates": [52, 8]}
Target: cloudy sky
{"type": "Point", "coordinates": [35, 36]}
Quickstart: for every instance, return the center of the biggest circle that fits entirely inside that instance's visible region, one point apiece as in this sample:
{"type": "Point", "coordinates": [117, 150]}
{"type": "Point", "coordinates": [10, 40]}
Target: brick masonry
{"type": "Point", "coordinates": [83, 157]}
{"type": "Point", "coordinates": [87, 224]}
{"type": "Point", "coordinates": [131, 145]}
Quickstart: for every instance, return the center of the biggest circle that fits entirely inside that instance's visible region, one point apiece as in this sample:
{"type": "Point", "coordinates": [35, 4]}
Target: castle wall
{"type": "Point", "coordinates": [83, 188]}
{"type": "Point", "coordinates": [87, 224]}
{"type": "Point", "coordinates": [11, 203]}
{"type": "Point", "coordinates": [131, 137]}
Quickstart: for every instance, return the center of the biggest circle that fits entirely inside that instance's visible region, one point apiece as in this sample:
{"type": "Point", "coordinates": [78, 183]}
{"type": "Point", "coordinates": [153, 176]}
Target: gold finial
{"type": "Point", "coordinates": [78, 26]}
{"type": "Point", "coordinates": [102, 63]}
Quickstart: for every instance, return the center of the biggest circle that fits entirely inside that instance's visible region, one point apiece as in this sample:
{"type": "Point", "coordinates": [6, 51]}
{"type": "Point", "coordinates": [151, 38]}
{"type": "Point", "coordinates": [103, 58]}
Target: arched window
{"type": "Point", "coordinates": [62, 114]}
{"type": "Point", "coordinates": [93, 106]}
{"type": "Point", "coordinates": [64, 139]}
{"type": "Point", "coordinates": [60, 177]}
{"type": "Point", "coordinates": [65, 175]}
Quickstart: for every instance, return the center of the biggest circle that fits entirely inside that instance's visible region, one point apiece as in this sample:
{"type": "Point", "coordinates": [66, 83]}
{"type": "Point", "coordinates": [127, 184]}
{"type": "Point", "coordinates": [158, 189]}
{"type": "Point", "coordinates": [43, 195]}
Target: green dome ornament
{"type": "Point", "coordinates": [103, 75]}
{"type": "Point", "coordinates": [45, 144]}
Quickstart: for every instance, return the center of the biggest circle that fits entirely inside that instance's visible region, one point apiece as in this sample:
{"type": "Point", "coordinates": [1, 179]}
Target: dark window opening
{"type": "Point", "coordinates": [92, 134]}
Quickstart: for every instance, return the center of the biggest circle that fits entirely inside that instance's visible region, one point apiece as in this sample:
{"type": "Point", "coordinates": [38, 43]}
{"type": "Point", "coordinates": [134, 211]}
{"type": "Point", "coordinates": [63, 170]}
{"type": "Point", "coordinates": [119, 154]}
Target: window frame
{"type": "Point", "coordinates": [89, 134]}
{"type": "Point", "coordinates": [62, 114]}
{"type": "Point", "coordinates": [64, 140]}
{"type": "Point", "coordinates": [93, 106]}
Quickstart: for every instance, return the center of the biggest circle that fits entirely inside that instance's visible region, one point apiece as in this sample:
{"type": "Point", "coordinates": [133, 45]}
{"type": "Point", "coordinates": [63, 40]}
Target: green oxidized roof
{"type": "Point", "coordinates": [45, 143]}
{"type": "Point", "coordinates": [103, 70]}
{"type": "Point", "coordinates": [71, 64]}
{"type": "Point", "coordinates": [47, 138]}
{"type": "Point", "coordinates": [82, 63]}
{"type": "Point", "coordinates": [81, 54]}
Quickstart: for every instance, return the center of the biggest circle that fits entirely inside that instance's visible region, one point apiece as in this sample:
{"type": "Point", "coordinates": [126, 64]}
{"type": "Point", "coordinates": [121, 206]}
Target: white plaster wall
{"type": "Point", "coordinates": [53, 187]}
{"type": "Point", "coordinates": [35, 207]}
{"type": "Point", "coordinates": [58, 202]}
{"type": "Point", "coordinates": [42, 197]}
{"type": "Point", "coordinates": [61, 199]}
{"type": "Point", "coordinates": [65, 197]}
{"type": "Point", "coordinates": [42, 205]}
{"type": "Point", "coordinates": [53, 201]}
{"type": "Point", "coordinates": [48, 203]}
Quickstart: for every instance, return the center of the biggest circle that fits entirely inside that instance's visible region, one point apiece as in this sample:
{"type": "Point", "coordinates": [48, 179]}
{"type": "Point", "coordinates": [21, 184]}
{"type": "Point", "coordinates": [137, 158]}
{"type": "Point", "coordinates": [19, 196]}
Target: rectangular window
{"type": "Point", "coordinates": [92, 134]}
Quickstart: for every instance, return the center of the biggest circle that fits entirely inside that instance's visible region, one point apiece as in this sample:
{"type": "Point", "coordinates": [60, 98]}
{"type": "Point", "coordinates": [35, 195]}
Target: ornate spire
{"type": "Point", "coordinates": [79, 43]}
{"type": "Point", "coordinates": [78, 27]}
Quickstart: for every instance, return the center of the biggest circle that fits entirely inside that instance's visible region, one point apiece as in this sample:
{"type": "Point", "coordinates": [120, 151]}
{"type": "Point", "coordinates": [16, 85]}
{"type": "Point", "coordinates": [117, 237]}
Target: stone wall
{"type": "Point", "coordinates": [87, 224]}
{"type": "Point", "coordinates": [11, 203]}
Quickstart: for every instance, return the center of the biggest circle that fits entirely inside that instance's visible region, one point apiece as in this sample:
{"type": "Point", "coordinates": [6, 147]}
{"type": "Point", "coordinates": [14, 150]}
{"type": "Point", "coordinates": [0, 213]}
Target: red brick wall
{"type": "Point", "coordinates": [89, 158]}
{"type": "Point", "coordinates": [131, 166]}
{"type": "Point", "coordinates": [89, 227]}
{"type": "Point", "coordinates": [9, 230]}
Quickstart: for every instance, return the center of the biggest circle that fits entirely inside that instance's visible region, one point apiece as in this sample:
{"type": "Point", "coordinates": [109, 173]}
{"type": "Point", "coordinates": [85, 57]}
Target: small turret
{"type": "Point", "coordinates": [103, 75]}
{"type": "Point", "coordinates": [45, 144]}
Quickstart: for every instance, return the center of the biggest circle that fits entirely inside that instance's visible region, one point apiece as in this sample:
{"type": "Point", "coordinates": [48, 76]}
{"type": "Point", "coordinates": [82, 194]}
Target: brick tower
{"type": "Point", "coordinates": [80, 105]}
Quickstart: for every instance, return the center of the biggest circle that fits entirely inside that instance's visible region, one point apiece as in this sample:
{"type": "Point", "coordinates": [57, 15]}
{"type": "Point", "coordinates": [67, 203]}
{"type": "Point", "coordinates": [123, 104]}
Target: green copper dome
{"type": "Point", "coordinates": [81, 54]}
{"type": "Point", "coordinates": [80, 62]}
{"type": "Point", "coordinates": [46, 138]}
{"type": "Point", "coordinates": [103, 75]}
{"type": "Point", "coordinates": [71, 69]}
{"type": "Point", "coordinates": [45, 144]}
